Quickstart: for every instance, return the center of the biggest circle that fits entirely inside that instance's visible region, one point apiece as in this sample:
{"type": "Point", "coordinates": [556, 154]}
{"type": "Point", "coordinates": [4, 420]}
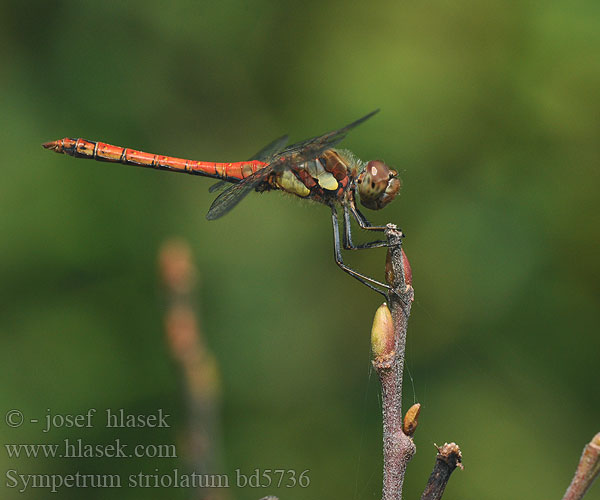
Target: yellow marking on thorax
{"type": "Point", "coordinates": [325, 179]}
{"type": "Point", "coordinates": [288, 181]}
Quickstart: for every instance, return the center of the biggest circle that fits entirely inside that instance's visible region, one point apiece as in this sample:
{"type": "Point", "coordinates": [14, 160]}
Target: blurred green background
{"type": "Point", "coordinates": [491, 113]}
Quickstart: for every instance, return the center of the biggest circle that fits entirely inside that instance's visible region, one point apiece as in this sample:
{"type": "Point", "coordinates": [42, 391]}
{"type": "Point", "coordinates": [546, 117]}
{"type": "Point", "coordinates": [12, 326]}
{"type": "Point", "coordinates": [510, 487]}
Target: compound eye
{"type": "Point", "coordinates": [378, 171]}
{"type": "Point", "coordinates": [380, 185]}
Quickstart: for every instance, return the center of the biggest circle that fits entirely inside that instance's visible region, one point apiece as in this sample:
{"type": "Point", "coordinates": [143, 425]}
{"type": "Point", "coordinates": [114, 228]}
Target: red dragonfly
{"type": "Point", "coordinates": [311, 169]}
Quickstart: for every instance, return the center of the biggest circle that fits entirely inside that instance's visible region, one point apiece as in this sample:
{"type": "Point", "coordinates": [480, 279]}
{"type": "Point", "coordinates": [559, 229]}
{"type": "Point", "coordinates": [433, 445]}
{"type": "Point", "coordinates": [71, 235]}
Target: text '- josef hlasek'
{"type": "Point", "coordinates": [117, 419]}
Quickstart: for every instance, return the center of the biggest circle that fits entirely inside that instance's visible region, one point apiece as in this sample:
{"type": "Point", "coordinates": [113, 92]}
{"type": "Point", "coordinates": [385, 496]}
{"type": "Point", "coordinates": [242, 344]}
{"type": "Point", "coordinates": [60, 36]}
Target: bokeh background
{"type": "Point", "coordinates": [491, 113]}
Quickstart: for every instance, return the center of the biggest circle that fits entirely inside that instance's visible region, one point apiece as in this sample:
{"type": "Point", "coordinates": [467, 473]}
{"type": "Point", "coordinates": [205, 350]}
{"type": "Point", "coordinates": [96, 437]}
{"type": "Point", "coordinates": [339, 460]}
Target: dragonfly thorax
{"type": "Point", "coordinates": [377, 185]}
{"type": "Point", "coordinates": [324, 179]}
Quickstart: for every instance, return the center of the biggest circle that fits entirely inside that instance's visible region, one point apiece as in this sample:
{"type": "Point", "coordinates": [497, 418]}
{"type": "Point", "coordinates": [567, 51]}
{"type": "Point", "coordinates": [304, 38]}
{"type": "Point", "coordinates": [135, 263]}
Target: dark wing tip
{"type": "Point", "coordinates": [216, 186]}
{"type": "Point", "coordinates": [215, 212]}
{"type": "Point", "coordinates": [360, 120]}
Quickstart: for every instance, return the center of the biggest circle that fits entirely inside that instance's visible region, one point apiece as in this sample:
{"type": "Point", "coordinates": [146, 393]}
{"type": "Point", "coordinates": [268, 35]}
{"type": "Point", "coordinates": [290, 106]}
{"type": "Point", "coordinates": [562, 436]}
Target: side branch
{"type": "Point", "coordinates": [587, 470]}
{"type": "Point", "coordinates": [448, 458]}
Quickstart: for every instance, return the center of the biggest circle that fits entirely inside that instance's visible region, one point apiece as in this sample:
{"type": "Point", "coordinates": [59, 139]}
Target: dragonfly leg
{"type": "Point", "coordinates": [347, 241]}
{"type": "Point", "coordinates": [362, 220]}
{"type": "Point", "coordinates": [337, 253]}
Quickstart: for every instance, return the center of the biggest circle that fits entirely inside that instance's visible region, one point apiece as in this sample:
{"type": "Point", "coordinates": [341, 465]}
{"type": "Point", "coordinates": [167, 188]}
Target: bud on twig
{"type": "Point", "coordinates": [407, 269]}
{"type": "Point", "coordinates": [177, 267]}
{"type": "Point", "coordinates": [411, 419]}
{"type": "Point", "coordinates": [389, 272]}
{"type": "Point", "coordinates": [382, 336]}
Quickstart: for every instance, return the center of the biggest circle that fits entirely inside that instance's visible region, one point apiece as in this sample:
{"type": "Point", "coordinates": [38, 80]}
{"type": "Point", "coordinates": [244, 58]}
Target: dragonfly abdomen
{"type": "Point", "coordinates": [101, 151]}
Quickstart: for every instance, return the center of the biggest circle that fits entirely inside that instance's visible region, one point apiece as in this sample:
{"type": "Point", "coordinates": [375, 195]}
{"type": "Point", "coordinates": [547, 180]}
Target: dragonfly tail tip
{"type": "Point", "coordinates": [50, 145]}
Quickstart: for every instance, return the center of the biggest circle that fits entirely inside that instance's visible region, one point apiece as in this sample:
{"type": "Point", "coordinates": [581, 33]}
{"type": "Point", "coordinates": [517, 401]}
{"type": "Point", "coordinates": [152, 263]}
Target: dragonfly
{"type": "Point", "coordinates": [313, 169]}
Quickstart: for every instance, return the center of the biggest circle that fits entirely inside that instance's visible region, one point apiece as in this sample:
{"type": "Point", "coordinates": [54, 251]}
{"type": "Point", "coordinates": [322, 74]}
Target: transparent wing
{"type": "Point", "coordinates": [236, 193]}
{"type": "Point", "coordinates": [271, 149]}
{"type": "Point", "coordinates": [295, 154]}
{"type": "Point", "coordinates": [217, 186]}
{"type": "Point", "coordinates": [312, 148]}
{"type": "Point", "coordinates": [263, 155]}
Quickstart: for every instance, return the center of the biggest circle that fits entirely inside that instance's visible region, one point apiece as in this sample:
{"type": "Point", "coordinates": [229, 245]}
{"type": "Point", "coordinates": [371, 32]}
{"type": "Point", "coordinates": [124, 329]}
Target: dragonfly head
{"type": "Point", "coordinates": [378, 184]}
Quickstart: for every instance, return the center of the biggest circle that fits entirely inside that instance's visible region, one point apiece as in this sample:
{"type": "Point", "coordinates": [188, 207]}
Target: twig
{"type": "Point", "coordinates": [587, 470]}
{"type": "Point", "coordinates": [198, 365]}
{"type": "Point", "coordinates": [448, 458]}
{"type": "Point", "coordinates": [388, 342]}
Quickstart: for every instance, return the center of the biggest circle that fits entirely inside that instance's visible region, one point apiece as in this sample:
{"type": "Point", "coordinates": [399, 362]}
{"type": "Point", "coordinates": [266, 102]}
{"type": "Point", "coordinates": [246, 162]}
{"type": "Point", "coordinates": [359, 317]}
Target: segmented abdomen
{"type": "Point", "coordinates": [82, 148]}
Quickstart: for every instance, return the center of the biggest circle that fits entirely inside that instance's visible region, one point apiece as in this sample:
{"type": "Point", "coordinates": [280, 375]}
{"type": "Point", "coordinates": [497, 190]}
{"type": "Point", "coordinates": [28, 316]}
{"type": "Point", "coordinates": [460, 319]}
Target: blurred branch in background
{"type": "Point", "coordinates": [198, 365]}
{"type": "Point", "coordinates": [587, 470]}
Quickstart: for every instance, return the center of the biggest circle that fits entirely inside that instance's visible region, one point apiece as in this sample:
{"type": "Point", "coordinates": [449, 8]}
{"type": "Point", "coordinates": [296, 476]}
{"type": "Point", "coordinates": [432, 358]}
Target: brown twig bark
{"type": "Point", "coordinates": [388, 341]}
{"type": "Point", "coordinates": [587, 470]}
{"type": "Point", "coordinates": [448, 458]}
